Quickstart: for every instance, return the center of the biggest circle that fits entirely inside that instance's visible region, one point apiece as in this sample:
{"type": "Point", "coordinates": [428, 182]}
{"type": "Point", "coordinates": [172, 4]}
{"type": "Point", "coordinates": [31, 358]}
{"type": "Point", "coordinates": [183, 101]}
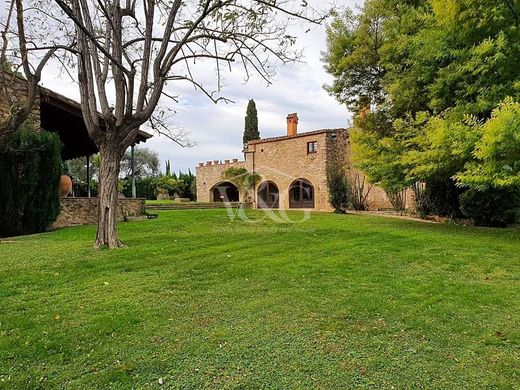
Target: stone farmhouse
{"type": "Point", "coordinates": [292, 168]}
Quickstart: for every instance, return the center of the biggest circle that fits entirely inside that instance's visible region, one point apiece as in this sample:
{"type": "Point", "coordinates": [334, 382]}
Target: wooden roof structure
{"type": "Point", "coordinates": [62, 115]}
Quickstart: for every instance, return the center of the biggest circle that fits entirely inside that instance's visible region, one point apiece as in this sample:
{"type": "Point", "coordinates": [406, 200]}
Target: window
{"type": "Point", "coordinates": [301, 195]}
{"type": "Point", "coordinates": [312, 147]}
{"type": "Point", "coordinates": [268, 195]}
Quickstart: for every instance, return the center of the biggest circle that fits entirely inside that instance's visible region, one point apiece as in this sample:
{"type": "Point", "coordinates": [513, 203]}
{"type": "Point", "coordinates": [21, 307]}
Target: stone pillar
{"type": "Point", "coordinates": [88, 176]}
{"type": "Point", "coordinates": [132, 153]}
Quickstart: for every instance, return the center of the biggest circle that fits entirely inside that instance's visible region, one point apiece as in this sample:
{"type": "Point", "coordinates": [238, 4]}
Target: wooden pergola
{"type": "Point", "coordinates": [62, 115]}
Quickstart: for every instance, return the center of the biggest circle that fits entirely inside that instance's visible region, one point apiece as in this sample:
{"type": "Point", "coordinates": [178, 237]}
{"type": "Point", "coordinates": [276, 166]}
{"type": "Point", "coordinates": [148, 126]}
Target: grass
{"type": "Point", "coordinates": [197, 300]}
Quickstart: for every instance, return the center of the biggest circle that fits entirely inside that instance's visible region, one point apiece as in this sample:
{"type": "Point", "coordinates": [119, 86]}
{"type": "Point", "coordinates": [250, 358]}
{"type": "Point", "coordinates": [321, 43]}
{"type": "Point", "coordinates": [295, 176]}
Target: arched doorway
{"type": "Point", "coordinates": [225, 192]}
{"type": "Point", "coordinates": [268, 195]}
{"type": "Point", "coordinates": [301, 195]}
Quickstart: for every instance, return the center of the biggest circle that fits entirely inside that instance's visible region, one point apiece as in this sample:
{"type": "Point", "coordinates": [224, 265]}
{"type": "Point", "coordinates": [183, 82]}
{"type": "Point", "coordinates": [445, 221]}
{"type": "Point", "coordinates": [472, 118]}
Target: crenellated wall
{"type": "Point", "coordinates": [209, 174]}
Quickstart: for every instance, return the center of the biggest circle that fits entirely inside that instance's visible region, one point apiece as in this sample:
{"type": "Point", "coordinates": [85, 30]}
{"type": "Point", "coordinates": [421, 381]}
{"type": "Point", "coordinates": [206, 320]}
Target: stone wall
{"type": "Point", "coordinates": [84, 211]}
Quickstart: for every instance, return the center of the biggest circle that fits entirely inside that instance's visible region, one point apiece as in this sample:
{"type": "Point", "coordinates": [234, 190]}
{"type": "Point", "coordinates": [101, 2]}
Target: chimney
{"type": "Point", "coordinates": [292, 124]}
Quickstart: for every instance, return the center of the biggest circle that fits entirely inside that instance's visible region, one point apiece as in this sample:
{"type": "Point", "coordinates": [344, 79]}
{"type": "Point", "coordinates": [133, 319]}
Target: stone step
{"type": "Point", "coordinates": [184, 206]}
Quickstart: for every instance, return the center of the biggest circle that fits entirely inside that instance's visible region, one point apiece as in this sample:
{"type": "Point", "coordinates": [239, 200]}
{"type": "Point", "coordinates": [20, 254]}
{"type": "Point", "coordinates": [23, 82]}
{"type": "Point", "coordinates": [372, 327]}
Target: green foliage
{"type": "Point", "coordinates": [168, 168]}
{"type": "Point", "coordinates": [251, 123]}
{"type": "Point", "coordinates": [193, 189]}
{"type": "Point", "coordinates": [338, 191]}
{"type": "Point", "coordinates": [149, 187]}
{"type": "Point", "coordinates": [379, 158]}
{"type": "Point", "coordinates": [352, 56]}
{"type": "Point", "coordinates": [145, 187]}
{"type": "Point", "coordinates": [77, 168]}
{"type": "Point", "coordinates": [440, 148]}
{"type": "Point", "coordinates": [189, 186]}
{"type": "Point", "coordinates": [442, 198]}
{"type": "Point", "coordinates": [240, 177]}
{"type": "Point", "coordinates": [146, 162]}
{"type": "Point", "coordinates": [444, 80]}
{"type": "Point", "coordinates": [497, 153]}
{"type": "Point", "coordinates": [167, 185]}
{"type": "Point", "coordinates": [31, 166]}
{"type": "Point", "coordinates": [491, 207]}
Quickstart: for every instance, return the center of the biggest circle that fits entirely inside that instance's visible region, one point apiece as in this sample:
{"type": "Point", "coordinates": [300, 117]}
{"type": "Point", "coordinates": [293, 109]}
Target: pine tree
{"type": "Point", "coordinates": [251, 123]}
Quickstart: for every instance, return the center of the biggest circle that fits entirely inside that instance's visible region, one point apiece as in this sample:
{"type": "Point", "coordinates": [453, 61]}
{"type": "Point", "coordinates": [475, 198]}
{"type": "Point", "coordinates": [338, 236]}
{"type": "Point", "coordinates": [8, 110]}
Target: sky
{"type": "Point", "coordinates": [216, 130]}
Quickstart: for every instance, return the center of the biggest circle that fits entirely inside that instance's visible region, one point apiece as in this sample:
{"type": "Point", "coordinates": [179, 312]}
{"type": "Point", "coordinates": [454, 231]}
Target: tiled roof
{"type": "Point", "coordinates": [306, 134]}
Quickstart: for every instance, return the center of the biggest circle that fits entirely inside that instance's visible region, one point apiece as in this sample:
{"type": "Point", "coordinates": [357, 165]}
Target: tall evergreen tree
{"type": "Point", "coordinates": [168, 168]}
{"type": "Point", "coordinates": [251, 123]}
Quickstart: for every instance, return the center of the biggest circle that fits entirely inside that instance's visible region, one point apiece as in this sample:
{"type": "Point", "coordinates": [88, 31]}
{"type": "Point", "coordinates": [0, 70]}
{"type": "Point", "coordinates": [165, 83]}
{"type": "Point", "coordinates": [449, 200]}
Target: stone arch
{"type": "Point", "coordinates": [268, 195]}
{"type": "Point", "coordinates": [301, 194]}
{"type": "Point", "coordinates": [224, 192]}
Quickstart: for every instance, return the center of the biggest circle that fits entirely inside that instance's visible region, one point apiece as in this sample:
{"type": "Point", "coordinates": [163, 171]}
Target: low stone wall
{"type": "Point", "coordinates": [84, 211]}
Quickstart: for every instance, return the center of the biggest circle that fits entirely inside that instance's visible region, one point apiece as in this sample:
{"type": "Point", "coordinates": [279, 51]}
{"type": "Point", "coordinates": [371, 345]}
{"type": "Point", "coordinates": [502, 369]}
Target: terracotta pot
{"type": "Point", "coordinates": [65, 186]}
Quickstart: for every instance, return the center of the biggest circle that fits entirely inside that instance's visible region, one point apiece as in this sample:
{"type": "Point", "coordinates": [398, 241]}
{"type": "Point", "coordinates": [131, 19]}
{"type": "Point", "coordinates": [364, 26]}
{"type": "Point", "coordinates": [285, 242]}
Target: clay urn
{"type": "Point", "coordinates": [65, 186]}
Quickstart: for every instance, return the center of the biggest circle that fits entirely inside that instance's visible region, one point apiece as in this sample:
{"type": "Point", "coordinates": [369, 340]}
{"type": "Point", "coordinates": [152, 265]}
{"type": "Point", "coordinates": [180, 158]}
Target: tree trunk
{"type": "Point", "coordinates": [110, 156]}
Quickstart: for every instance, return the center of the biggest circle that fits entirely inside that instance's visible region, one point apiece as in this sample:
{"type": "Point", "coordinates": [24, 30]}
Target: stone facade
{"type": "Point", "coordinates": [283, 160]}
{"type": "Point", "coordinates": [211, 175]}
{"type": "Point", "coordinates": [84, 211]}
{"type": "Point", "coordinates": [280, 160]}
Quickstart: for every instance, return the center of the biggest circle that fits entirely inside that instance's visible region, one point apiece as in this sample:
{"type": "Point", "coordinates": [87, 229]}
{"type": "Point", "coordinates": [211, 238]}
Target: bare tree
{"type": "Point", "coordinates": [135, 47]}
{"type": "Point", "coordinates": [17, 61]}
{"type": "Point", "coordinates": [359, 190]}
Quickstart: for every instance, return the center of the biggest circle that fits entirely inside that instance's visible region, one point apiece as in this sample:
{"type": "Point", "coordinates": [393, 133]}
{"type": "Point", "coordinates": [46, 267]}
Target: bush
{"type": "Point", "coordinates": [31, 166]}
{"type": "Point", "coordinates": [168, 185]}
{"type": "Point", "coordinates": [492, 207]}
{"type": "Point", "coordinates": [144, 187]}
{"type": "Point", "coordinates": [358, 191]}
{"type": "Point", "coordinates": [338, 192]}
{"type": "Point", "coordinates": [442, 198]}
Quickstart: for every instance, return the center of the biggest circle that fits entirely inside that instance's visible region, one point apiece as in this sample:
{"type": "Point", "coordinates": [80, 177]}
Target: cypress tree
{"type": "Point", "coordinates": [251, 123]}
{"type": "Point", "coordinates": [168, 171]}
{"type": "Point", "coordinates": [30, 163]}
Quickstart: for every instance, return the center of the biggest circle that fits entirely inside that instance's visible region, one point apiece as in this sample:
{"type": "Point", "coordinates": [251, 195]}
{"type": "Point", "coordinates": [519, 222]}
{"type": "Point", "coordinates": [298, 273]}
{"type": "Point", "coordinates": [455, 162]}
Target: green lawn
{"type": "Point", "coordinates": [198, 300]}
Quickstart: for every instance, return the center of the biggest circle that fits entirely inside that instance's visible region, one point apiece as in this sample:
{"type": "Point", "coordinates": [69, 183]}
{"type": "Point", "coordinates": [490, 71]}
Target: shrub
{"type": "Point", "coordinates": [397, 199]}
{"type": "Point", "coordinates": [442, 198]}
{"type": "Point", "coordinates": [167, 185]}
{"type": "Point", "coordinates": [144, 187]}
{"type": "Point", "coordinates": [491, 207]}
{"type": "Point", "coordinates": [338, 192]}
{"type": "Point", "coordinates": [31, 166]}
{"type": "Point", "coordinates": [358, 191]}
{"type": "Point", "coordinates": [243, 179]}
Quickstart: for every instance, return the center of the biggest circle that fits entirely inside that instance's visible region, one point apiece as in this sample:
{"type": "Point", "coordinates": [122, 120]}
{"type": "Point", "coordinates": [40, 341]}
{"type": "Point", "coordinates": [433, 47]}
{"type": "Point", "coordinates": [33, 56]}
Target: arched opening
{"type": "Point", "coordinates": [268, 195]}
{"type": "Point", "coordinates": [225, 192]}
{"type": "Point", "coordinates": [301, 195]}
